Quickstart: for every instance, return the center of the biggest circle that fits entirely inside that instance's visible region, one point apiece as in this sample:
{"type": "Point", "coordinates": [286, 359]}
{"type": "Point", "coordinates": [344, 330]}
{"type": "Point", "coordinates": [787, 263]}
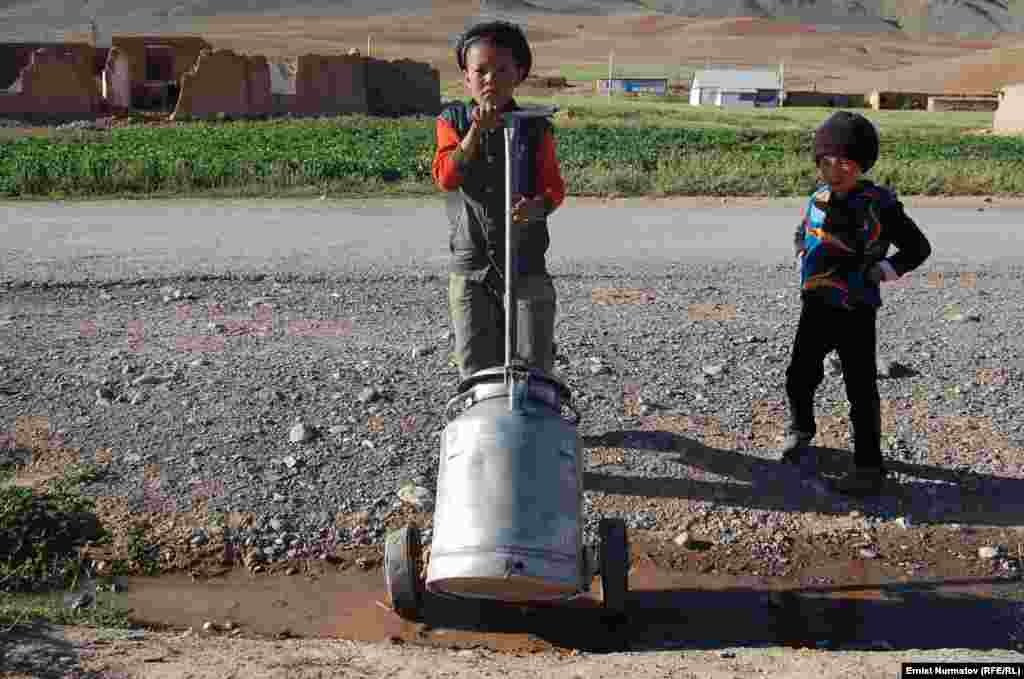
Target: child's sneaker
{"type": "Point", "coordinates": [795, 446]}
{"type": "Point", "coordinates": [861, 481]}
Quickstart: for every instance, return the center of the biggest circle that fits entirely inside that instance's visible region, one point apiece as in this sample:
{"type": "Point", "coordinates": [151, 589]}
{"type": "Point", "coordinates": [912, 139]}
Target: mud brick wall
{"type": "Point", "coordinates": [403, 87]}
{"type": "Point", "coordinates": [936, 104]}
{"type": "Point", "coordinates": [14, 57]}
{"type": "Point", "coordinates": [55, 85]}
{"type": "Point", "coordinates": [825, 99]}
{"type": "Point", "coordinates": [1010, 114]}
{"type": "Point", "coordinates": [330, 85]}
{"type": "Point", "coordinates": [283, 85]}
{"type": "Point", "coordinates": [225, 82]}
{"type": "Point", "coordinates": [186, 51]}
{"type": "Point", "coordinates": [117, 77]}
{"type": "Point", "coordinates": [917, 101]}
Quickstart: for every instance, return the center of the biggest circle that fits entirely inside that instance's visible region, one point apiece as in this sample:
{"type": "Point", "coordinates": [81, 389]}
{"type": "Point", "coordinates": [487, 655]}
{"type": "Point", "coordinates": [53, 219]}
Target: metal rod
{"type": "Point", "coordinates": [509, 304]}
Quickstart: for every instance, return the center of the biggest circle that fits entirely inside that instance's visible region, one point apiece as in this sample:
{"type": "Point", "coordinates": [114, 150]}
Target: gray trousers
{"type": "Point", "coordinates": [477, 319]}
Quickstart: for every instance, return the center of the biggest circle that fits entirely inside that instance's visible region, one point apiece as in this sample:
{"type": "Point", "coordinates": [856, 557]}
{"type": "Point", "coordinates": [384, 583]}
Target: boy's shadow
{"type": "Point", "coordinates": [731, 477]}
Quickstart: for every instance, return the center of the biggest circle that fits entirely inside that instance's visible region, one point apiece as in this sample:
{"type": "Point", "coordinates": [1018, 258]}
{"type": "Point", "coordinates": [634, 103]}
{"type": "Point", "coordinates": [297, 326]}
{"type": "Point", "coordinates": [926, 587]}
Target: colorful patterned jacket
{"type": "Point", "coordinates": [843, 238]}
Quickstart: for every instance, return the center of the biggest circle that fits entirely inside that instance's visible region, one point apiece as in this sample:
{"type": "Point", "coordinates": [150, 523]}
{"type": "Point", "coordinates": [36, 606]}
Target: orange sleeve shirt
{"type": "Point", "coordinates": [448, 177]}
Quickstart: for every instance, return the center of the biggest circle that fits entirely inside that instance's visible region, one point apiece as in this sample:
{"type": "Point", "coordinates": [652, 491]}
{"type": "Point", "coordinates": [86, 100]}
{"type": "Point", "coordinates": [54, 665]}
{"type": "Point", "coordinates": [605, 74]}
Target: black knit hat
{"type": "Point", "coordinates": [847, 135]}
{"type": "Point", "coordinates": [502, 34]}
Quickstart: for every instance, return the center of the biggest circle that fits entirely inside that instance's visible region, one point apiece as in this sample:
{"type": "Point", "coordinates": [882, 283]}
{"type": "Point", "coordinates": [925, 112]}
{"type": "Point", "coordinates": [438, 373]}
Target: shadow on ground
{"type": "Point", "coordinates": [941, 495]}
{"type": "Point", "coordinates": [39, 649]}
{"type": "Point", "coordinates": [937, 615]}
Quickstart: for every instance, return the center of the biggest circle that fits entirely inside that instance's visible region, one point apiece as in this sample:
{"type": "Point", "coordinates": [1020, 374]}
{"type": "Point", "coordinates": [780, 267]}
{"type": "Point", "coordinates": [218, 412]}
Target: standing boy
{"type": "Point", "coordinates": [469, 164]}
{"type": "Point", "coordinates": [841, 244]}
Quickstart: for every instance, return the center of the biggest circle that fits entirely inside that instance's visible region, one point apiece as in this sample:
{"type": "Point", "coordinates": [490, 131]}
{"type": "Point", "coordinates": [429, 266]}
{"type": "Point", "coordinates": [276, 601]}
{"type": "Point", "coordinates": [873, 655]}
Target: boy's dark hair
{"type": "Point", "coordinates": [501, 34]}
{"type": "Point", "coordinates": [847, 135]}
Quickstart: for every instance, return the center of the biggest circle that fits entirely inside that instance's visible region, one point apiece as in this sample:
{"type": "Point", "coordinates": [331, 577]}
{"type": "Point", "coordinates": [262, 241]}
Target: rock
{"type": "Point", "coordinates": [79, 601]}
{"type": "Point", "coordinates": [229, 625]}
{"type": "Point", "coordinates": [683, 539]}
{"type": "Point", "coordinates": [418, 496]}
{"type": "Point", "coordinates": [300, 433]}
{"type": "Point", "coordinates": [275, 524]}
{"type": "Point", "coordinates": [866, 553]}
{"type": "Point", "coordinates": [368, 395]}
{"type": "Point", "coordinates": [422, 350]}
{"type": "Point", "coordinates": [988, 552]}
{"type": "Point", "coordinates": [209, 627]}
{"type": "Point", "coordinates": [150, 379]}
{"type": "Point", "coordinates": [712, 370]}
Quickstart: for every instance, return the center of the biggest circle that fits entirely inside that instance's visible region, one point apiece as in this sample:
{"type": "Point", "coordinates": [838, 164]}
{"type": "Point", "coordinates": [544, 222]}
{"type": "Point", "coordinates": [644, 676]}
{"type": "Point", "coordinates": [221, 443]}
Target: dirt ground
{"type": "Point", "coordinates": [172, 656]}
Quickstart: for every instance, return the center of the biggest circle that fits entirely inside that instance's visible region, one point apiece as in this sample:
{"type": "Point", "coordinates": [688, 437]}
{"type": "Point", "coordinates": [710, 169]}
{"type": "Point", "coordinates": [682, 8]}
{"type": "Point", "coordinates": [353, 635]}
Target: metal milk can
{"type": "Point", "coordinates": [508, 514]}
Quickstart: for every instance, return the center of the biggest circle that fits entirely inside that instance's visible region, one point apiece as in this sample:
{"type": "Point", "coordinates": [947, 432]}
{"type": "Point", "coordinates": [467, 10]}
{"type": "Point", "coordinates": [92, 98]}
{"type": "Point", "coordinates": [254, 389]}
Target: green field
{"type": "Point", "coordinates": [632, 146]}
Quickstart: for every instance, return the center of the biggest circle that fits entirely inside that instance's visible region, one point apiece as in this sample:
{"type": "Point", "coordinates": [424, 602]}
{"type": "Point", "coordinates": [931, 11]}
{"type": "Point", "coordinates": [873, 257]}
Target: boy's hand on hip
{"type": "Point", "coordinates": [874, 274]}
{"type": "Point", "coordinates": [527, 209]}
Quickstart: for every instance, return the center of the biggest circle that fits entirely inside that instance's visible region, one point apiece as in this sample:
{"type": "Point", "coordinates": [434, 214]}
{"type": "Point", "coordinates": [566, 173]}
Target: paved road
{"type": "Point", "coordinates": [61, 241]}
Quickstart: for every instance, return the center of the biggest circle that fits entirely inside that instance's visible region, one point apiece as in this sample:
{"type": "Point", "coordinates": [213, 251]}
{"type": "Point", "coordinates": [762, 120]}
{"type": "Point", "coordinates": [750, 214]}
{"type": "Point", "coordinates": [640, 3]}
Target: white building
{"type": "Point", "coordinates": [732, 87]}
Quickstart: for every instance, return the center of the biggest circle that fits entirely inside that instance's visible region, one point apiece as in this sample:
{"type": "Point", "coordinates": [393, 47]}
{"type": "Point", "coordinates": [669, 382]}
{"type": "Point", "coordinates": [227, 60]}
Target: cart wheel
{"type": "Point", "coordinates": [402, 570]}
{"type": "Point", "coordinates": [614, 564]}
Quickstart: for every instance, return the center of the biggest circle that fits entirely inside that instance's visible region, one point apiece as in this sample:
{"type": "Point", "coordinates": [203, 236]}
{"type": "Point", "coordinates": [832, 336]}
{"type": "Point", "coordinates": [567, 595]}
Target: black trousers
{"type": "Point", "coordinates": [853, 334]}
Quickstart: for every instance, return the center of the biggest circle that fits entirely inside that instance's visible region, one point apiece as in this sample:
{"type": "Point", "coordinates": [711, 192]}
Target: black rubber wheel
{"type": "Point", "coordinates": [614, 564]}
{"type": "Point", "coordinates": [402, 570]}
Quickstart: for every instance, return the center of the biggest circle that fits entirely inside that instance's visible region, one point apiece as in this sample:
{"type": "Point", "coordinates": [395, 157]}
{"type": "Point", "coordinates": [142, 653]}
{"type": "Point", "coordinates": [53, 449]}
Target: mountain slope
{"type": "Point", "coordinates": [34, 19]}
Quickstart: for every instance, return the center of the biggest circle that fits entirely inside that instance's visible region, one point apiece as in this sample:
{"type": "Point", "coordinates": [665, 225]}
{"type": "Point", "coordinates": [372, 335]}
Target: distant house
{"type": "Point", "coordinates": [733, 87]}
{"type": "Point", "coordinates": [1009, 116]}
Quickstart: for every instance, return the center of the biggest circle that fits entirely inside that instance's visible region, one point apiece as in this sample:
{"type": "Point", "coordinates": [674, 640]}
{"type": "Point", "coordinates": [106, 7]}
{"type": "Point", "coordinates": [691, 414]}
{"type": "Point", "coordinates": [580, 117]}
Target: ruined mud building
{"type": "Point", "coordinates": [184, 74]}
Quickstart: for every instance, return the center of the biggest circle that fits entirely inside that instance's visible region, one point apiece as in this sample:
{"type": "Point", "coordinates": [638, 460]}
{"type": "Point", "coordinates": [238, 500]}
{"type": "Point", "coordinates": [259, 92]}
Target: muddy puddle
{"type": "Point", "coordinates": [666, 610]}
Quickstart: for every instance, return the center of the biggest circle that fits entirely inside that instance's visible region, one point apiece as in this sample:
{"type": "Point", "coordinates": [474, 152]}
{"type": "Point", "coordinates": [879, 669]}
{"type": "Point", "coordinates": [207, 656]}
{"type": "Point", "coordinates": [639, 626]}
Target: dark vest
{"type": "Point", "coordinates": [476, 211]}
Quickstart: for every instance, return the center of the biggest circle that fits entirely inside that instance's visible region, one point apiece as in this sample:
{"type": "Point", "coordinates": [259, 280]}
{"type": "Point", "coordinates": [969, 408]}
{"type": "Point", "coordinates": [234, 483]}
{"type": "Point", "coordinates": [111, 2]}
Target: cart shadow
{"type": "Point", "coordinates": [936, 495]}
{"type": "Point", "coordinates": [881, 617]}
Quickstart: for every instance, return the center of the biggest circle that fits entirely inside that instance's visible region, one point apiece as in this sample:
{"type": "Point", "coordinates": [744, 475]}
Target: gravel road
{"type": "Point", "coordinates": [288, 359]}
